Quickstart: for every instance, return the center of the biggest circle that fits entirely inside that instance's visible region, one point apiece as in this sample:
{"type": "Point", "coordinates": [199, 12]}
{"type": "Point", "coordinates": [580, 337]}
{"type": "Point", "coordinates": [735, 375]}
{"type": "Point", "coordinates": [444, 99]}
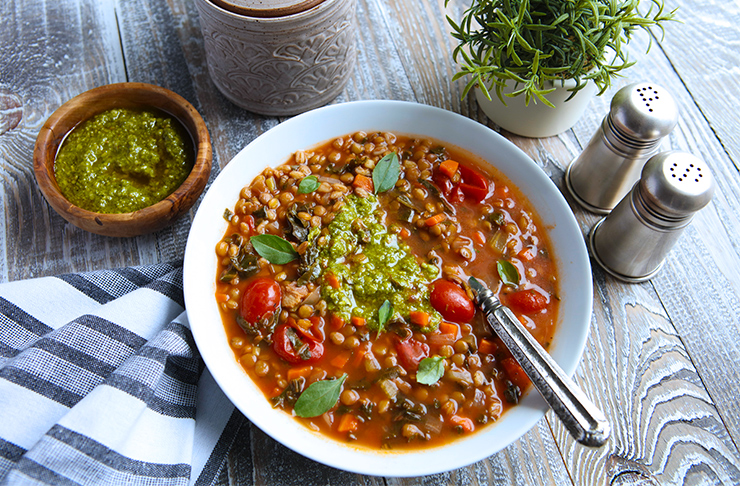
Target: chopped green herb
{"type": "Point", "coordinates": [430, 370]}
{"type": "Point", "coordinates": [508, 273]}
{"type": "Point", "coordinates": [384, 313]}
{"type": "Point", "coordinates": [274, 249]}
{"type": "Point", "coordinates": [319, 397]}
{"type": "Point", "coordinates": [386, 173]}
{"type": "Point", "coordinates": [308, 184]}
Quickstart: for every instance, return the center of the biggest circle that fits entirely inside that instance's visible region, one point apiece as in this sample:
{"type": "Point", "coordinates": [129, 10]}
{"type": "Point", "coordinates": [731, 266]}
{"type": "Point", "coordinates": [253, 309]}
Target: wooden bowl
{"type": "Point", "coordinates": [131, 96]}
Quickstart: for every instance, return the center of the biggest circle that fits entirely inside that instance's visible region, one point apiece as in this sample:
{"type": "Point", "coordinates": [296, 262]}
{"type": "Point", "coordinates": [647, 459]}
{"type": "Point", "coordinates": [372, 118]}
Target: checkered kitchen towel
{"type": "Point", "coordinates": [101, 383]}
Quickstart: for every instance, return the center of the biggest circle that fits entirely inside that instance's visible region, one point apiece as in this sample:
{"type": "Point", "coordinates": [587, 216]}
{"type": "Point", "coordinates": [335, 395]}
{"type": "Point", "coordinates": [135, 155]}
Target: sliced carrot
{"type": "Point", "coordinates": [515, 373]}
{"type": "Point", "coordinates": [436, 219]}
{"type": "Point", "coordinates": [486, 346]}
{"type": "Point", "coordinates": [527, 253]}
{"type": "Point", "coordinates": [448, 167]}
{"type": "Point", "coordinates": [363, 182]}
{"type": "Point", "coordinates": [348, 423]}
{"type": "Point", "coordinates": [336, 322]}
{"type": "Point", "coordinates": [332, 280]}
{"type": "Point", "coordinates": [357, 321]}
{"type": "Point", "coordinates": [448, 328]}
{"type": "Point", "coordinates": [404, 233]}
{"type": "Point", "coordinates": [304, 371]}
{"type": "Point", "coordinates": [479, 237]}
{"type": "Point", "coordinates": [358, 356]}
{"type": "Point", "coordinates": [222, 297]}
{"type": "Point", "coordinates": [340, 360]}
{"type": "Point", "coordinates": [464, 422]}
{"type": "Point", "coordinates": [420, 318]}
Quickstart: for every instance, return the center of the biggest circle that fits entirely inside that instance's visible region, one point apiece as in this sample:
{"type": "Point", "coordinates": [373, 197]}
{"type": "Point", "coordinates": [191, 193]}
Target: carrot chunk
{"type": "Point", "coordinates": [332, 280]}
{"type": "Point", "coordinates": [464, 422]}
{"type": "Point", "coordinates": [340, 360]}
{"type": "Point", "coordinates": [448, 328]}
{"type": "Point", "coordinates": [448, 167]}
{"type": "Point", "coordinates": [420, 318]}
{"type": "Point", "coordinates": [357, 321]}
{"type": "Point", "coordinates": [486, 346]}
{"type": "Point", "coordinates": [363, 182]}
{"type": "Point", "coordinates": [297, 372]}
{"type": "Point", "coordinates": [348, 423]}
{"type": "Point", "coordinates": [436, 219]}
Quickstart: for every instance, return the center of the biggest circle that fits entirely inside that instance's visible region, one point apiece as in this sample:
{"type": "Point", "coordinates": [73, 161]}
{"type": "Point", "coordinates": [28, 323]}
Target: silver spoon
{"type": "Point", "coordinates": [586, 423]}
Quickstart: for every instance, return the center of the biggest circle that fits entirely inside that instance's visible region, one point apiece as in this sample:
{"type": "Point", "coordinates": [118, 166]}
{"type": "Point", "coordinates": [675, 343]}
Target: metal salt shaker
{"type": "Point", "coordinates": [641, 115]}
{"type": "Point", "coordinates": [632, 242]}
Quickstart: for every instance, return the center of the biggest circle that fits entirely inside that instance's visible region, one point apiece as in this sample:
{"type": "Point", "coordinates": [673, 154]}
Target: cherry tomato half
{"type": "Point", "coordinates": [411, 352]}
{"type": "Point", "coordinates": [472, 185]}
{"type": "Point", "coordinates": [450, 300]}
{"type": "Point", "coordinates": [295, 348]}
{"type": "Point", "coordinates": [260, 299]}
{"type": "Point", "coordinates": [526, 301]}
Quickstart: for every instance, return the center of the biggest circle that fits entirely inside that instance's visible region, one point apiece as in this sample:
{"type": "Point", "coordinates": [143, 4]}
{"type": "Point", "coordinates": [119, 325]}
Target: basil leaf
{"type": "Point", "coordinates": [386, 173]}
{"type": "Point", "coordinates": [319, 397]}
{"type": "Point", "coordinates": [384, 313]}
{"type": "Point", "coordinates": [274, 249]}
{"type": "Point", "coordinates": [508, 273]}
{"type": "Point", "coordinates": [308, 184]}
{"type": "Point", "coordinates": [430, 370]}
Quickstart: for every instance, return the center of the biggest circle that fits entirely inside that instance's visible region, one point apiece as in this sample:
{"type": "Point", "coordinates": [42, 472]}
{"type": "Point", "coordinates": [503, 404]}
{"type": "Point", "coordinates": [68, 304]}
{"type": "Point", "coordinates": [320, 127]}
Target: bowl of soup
{"type": "Point", "coordinates": [326, 282]}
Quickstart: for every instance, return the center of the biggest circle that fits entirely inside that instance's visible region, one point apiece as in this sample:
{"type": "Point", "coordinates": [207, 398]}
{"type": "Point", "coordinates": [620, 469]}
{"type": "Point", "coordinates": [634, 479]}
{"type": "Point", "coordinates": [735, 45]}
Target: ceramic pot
{"type": "Point", "coordinates": [537, 120]}
{"type": "Point", "coordinates": [279, 58]}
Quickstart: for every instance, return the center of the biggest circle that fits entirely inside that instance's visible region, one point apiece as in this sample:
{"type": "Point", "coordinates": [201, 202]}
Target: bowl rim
{"type": "Point", "coordinates": [342, 119]}
{"type": "Point", "coordinates": [67, 117]}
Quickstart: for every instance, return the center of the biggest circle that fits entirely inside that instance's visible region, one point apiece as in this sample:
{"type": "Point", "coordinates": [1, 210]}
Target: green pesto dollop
{"type": "Point", "coordinates": [373, 266]}
{"type": "Point", "coordinates": [123, 160]}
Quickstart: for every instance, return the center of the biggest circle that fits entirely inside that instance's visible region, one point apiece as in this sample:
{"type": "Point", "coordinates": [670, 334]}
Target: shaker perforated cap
{"type": "Point", "coordinates": [643, 112]}
{"type": "Point", "coordinates": [676, 184]}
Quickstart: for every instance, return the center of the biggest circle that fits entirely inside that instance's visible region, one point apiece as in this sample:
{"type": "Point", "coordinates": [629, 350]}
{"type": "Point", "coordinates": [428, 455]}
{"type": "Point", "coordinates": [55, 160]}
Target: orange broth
{"type": "Point", "coordinates": [454, 223]}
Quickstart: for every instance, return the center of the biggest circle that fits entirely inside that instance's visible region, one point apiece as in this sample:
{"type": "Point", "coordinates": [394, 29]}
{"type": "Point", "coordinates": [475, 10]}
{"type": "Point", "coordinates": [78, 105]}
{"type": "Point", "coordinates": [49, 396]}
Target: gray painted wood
{"type": "Point", "coordinates": [661, 358]}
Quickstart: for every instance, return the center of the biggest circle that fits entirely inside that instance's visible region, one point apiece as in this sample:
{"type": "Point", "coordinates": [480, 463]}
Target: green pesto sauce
{"type": "Point", "coordinates": [123, 160]}
{"type": "Point", "coordinates": [373, 266]}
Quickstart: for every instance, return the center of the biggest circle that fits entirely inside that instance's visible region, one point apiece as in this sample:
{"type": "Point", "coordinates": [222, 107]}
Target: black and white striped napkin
{"type": "Point", "coordinates": [101, 383]}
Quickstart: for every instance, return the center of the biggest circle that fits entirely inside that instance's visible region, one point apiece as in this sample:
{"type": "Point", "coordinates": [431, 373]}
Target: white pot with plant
{"type": "Point", "coordinates": [543, 60]}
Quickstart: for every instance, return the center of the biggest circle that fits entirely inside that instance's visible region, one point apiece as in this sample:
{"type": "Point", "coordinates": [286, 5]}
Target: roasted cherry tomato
{"type": "Point", "coordinates": [411, 352]}
{"type": "Point", "coordinates": [526, 301]}
{"type": "Point", "coordinates": [471, 185]}
{"type": "Point", "coordinates": [260, 299]}
{"type": "Point", "coordinates": [450, 300]}
{"type": "Point", "coordinates": [294, 347]}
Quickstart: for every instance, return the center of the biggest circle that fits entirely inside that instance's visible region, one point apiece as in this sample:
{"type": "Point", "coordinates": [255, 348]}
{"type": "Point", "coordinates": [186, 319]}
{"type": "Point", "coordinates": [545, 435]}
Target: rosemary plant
{"type": "Point", "coordinates": [532, 42]}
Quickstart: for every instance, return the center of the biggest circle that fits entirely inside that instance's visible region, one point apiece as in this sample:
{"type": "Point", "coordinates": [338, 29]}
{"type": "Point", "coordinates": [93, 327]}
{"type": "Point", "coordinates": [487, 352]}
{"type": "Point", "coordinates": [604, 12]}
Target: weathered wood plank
{"type": "Point", "coordinates": [52, 51]}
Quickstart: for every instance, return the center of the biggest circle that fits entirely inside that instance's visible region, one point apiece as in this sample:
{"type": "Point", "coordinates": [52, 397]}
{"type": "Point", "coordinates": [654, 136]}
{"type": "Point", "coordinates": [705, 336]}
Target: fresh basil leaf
{"type": "Point", "coordinates": [430, 370]}
{"type": "Point", "coordinates": [508, 273]}
{"type": "Point", "coordinates": [308, 184]}
{"type": "Point", "coordinates": [274, 249]}
{"type": "Point", "coordinates": [384, 313]}
{"type": "Point", "coordinates": [319, 397]}
{"type": "Point", "coordinates": [386, 173]}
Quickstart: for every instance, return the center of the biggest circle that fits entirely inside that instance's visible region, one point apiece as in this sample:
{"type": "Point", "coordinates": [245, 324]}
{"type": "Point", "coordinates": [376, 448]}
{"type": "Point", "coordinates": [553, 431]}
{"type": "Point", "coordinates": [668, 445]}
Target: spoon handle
{"type": "Point", "coordinates": [586, 423]}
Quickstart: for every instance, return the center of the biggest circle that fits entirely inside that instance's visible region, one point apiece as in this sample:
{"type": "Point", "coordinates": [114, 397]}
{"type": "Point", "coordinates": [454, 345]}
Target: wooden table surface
{"type": "Point", "coordinates": [662, 357]}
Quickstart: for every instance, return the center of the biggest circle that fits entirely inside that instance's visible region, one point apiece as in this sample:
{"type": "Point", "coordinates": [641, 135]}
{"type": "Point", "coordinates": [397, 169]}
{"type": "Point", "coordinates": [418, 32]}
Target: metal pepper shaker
{"type": "Point", "coordinates": [641, 115]}
{"type": "Point", "coordinates": [631, 243]}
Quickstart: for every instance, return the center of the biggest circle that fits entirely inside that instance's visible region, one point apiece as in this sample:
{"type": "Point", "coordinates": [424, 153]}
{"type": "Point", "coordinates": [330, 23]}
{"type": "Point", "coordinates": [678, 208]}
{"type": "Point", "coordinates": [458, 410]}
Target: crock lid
{"type": "Point", "coordinates": [266, 8]}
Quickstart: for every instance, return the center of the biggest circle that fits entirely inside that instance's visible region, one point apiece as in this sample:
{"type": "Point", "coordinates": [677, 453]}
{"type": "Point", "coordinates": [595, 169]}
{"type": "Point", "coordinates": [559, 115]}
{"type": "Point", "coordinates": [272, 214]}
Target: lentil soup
{"type": "Point", "coordinates": [342, 285]}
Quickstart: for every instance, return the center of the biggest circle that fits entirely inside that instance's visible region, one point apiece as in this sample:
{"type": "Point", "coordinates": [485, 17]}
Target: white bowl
{"type": "Point", "coordinates": [274, 148]}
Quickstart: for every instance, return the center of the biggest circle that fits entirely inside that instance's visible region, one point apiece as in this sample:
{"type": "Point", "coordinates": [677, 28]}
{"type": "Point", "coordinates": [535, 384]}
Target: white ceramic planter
{"type": "Point", "coordinates": [537, 119]}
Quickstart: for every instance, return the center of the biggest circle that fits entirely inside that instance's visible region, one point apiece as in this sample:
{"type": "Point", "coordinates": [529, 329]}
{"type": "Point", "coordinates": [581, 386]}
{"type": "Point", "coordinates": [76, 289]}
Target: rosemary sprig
{"type": "Point", "coordinates": [535, 41]}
